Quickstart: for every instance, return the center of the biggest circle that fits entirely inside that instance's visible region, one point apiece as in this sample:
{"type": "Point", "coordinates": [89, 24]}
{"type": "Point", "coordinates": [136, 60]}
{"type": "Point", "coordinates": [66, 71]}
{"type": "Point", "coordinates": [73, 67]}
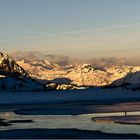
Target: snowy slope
{"type": "Point", "coordinates": [13, 77]}
{"type": "Point", "coordinates": [96, 95]}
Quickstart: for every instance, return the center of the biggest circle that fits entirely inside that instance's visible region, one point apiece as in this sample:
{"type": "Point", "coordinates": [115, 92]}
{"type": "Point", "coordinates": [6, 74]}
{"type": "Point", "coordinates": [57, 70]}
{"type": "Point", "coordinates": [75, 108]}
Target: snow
{"type": "Point", "coordinates": [96, 94]}
{"type": "Point", "coordinates": [66, 122]}
{"type": "Point", "coordinates": [14, 84]}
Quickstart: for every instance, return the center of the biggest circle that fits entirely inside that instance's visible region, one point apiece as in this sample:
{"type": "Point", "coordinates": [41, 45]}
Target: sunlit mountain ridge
{"type": "Point", "coordinates": [39, 74]}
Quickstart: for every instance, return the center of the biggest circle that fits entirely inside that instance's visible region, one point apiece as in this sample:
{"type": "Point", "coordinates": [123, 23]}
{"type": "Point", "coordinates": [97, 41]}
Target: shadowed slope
{"type": "Point", "coordinates": [13, 77]}
{"type": "Point", "coordinates": [9, 67]}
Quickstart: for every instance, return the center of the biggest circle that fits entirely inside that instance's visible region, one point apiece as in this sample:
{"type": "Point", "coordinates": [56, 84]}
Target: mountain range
{"type": "Point", "coordinates": [35, 73]}
{"type": "Point", "coordinates": [82, 74]}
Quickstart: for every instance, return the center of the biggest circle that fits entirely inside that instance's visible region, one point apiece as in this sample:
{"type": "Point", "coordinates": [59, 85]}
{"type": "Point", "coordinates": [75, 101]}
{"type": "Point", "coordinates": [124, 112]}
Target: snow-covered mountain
{"type": "Point", "coordinates": [9, 67]}
{"type": "Point", "coordinates": [13, 77]}
{"type": "Point", "coordinates": [82, 74]}
{"type": "Point", "coordinates": [129, 81]}
{"type": "Point", "coordinates": [18, 75]}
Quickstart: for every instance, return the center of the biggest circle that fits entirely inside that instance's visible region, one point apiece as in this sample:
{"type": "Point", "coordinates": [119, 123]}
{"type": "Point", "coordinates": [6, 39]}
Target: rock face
{"type": "Point", "coordinates": [9, 67]}
{"type": "Point", "coordinates": [54, 86]}
{"type": "Point", "coordinates": [13, 77]}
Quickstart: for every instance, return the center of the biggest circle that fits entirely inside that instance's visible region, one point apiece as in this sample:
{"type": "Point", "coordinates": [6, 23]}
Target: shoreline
{"type": "Point", "coordinates": [129, 119]}
{"type": "Point", "coordinates": [75, 108]}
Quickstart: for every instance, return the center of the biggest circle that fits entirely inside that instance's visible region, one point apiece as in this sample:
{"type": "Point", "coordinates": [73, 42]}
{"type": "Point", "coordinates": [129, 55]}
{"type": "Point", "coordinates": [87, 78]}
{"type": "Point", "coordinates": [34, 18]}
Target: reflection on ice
{"type": "Point", "coordinates": [82, 122]}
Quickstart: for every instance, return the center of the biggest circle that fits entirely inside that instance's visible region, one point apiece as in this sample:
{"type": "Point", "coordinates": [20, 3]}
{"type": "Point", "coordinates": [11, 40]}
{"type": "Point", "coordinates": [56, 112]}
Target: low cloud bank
{"type": "Point", "coordinates": [66, 60]}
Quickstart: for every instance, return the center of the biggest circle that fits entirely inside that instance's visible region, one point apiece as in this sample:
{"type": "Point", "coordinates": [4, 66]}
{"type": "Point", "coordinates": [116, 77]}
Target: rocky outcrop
{"type": "Point", "coordinates": [9, 67]}
{"type": "Point", "coordinates": [54, 86]}
{"type": "Point", "coordinates": [13, 77]}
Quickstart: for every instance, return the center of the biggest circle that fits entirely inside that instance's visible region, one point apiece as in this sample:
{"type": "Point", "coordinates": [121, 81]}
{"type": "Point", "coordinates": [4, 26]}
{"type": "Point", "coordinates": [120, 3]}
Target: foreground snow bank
{"type": "Point", "coordinates": [67, 96]}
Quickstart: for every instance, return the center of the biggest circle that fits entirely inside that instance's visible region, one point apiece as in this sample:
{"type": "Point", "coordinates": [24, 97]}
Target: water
{"type": "Point", "coordinates": [45, 123]}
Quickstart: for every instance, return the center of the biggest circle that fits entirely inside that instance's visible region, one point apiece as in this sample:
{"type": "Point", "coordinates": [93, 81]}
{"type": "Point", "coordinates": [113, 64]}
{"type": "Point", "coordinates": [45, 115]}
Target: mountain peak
{"type": "Point", "coordinates": [13, 77]}
{"type": "Point", "coordinates": [9, 67]}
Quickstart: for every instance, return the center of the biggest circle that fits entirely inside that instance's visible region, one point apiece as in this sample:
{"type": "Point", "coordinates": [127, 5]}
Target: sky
{"type": "Point", "coordinates": [77, 28]}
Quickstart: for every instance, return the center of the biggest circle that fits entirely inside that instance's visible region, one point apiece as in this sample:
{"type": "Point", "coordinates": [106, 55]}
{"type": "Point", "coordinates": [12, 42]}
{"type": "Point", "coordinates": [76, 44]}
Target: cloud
{"type": "Point", "coordinates": [21, 55]}
{"type": "Point", "coordinates": [108, 61]}
{"type": "Point", "coordinates": [28, 56]}
{"type": "Point", "coordinates": [65, 60]}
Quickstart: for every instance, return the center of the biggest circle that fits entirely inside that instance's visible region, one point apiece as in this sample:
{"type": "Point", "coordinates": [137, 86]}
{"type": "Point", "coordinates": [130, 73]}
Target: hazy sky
{"type": "Point", "coordinates": [79, 28]}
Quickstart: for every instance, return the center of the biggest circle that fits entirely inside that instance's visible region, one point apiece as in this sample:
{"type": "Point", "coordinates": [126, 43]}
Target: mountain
{"type": "Point", "coordinates": [87, 75]}
{"type": "Point", "coordinates": [13, 77]}
{"type": "Point", "coordinates": [18, 76]}
{"type": "Point", "coordinates": [9, 67]}
{"type": "Point", "coordinates": [131, 80]}
{"type": "Point", "coordinates": [40, 69]}
{"type": "Point", "coordinates": [81, 74]}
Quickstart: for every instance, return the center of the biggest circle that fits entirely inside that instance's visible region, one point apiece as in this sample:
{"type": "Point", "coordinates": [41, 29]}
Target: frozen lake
{"type": "Point", "coordinates": [66, 120]}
